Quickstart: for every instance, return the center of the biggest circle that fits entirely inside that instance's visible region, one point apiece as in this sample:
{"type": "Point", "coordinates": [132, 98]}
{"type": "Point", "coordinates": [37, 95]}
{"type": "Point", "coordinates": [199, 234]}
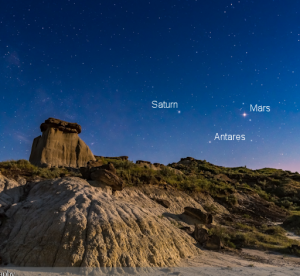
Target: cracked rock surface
{"type": "Point", "coordinates": [67, 222]}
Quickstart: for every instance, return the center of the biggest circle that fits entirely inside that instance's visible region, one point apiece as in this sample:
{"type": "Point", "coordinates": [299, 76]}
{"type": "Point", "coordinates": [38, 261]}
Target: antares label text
{"type": "Point", "coordinates": [164, 104]}
{"type": "Point", "coordinates": [230, 137]}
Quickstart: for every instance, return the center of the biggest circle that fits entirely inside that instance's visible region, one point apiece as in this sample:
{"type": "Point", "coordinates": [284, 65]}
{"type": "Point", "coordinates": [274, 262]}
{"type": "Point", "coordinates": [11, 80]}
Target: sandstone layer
{"type": "Point", "coordinates": [66, 222]}
{"type": "Point", "coordinates": [60, 145]}
{"type": "Point", "coordinates": [105, 174]}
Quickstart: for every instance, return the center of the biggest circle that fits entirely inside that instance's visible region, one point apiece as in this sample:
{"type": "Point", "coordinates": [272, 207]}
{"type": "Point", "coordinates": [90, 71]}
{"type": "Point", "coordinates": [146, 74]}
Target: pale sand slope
{"type": "Point", "coordinates": [248, 262]}
{"type": "Point", "coordinates": [209, 263]}
{"type": "Point", "coordinates": [67, 222]}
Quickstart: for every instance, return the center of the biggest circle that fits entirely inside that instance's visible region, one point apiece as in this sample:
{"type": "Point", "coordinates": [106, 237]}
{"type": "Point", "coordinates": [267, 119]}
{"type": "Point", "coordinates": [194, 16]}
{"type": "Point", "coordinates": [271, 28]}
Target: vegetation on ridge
{"type": "Point", "coordinates": [23, 168]}
{"type": "Point", "coordinates": [279, 188]}
{"type": "Point", "coordinates": [244, 228]}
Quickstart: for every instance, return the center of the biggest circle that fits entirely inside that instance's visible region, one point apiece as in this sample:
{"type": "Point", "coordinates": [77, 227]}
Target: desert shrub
{"type": "Point", "coordinates": [49, 174]}
{"type": "Point", "coordinates": [230, 244]}
{"type": "Point", "coordinates": [232, 200]}
{"type": "Point", "coordinates": [244, 226]}
{"type": "Point", "coordinates": [222, 232]}
{"type": "Point", "coordinates": [245, 187]}
{"type": "Point", "coordinates": [275, 230]}
{"type": "Point", "coordinates": [124, 165]}
{"type": "Point", "coordinates": [165, 171]}
{"type": "Point", "coordinates": [179, 177]}
{"type": "Point", "coordinates": [292, 223]}
{"type": "Point", "coordinates": [285, 203]}
{"type": "Point", "coordinates": [263, 194]}
{"type": "Point", "coordinates": [19, 164]}
{"type": "Point", "coordinates": [24, 168]}
{"type": "Point", "coordinates": [210, 208]}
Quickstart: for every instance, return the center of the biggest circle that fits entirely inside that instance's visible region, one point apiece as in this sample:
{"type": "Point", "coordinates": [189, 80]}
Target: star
{"type": "Point", "coordinates": [244, 114]}
{"type": "Point", "coordinates": [179, 111]}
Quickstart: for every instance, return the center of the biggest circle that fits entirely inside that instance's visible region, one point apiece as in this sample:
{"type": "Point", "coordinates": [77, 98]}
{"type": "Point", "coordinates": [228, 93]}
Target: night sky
{"type": "Point", "coordinates": [102, 63]}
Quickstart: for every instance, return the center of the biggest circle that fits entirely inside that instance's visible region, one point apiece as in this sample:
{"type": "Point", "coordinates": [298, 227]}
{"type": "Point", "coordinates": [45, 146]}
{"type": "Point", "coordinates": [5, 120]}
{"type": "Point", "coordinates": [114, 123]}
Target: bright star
{"type": "Point", "coordinates": [244, 114]}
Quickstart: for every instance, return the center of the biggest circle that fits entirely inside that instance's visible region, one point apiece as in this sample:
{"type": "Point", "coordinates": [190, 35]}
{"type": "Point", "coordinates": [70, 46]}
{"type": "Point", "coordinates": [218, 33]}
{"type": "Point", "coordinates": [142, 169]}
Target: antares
{"type": "Point", "coordinates": [230, 137]}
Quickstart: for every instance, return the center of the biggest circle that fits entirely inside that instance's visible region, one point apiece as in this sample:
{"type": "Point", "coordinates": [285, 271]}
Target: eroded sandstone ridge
{"type": "Point", "coordinates": [66, 222]}
{"type": "Point", "coordinates": [60, 145]}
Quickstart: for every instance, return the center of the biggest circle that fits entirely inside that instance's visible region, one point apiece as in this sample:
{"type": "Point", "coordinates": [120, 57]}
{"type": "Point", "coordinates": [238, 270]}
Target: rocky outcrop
{"type": "Point", "coordinates": [108, 178]}
{"type": "Point", "coordinates": [187, 158]}
{"type": "Point", "coordinates": [203, 217]}
{"type": "Point", "coordinates": [186, 161]}
{"type": "Point", "coordinates": [214, 243]}
{"type": "Point", "coordinates": [107, 174]}
{"type": "Point", "coordinates": [61, 125]}
{"type": "Point", "coordinates": [60, 145]}
{"type": "Point", "coordinates": [201, 234]}
{"type": "Point", "coordinates": [67, 222]}
{"type": "Point", "coordinates": [143, 162]}
{"type": "Point", "coordinates": [122, 158]}
{"type": "Point", "coordinates": [162, 202]}
{"type": "Point", "coordinates": [11, 192]}
{"type": "Point", "coordinates": [211, 242]}
{"type": "Point", "coordinates": [187, 229]}
{"type": "Point", "coordinates": [86, 171]}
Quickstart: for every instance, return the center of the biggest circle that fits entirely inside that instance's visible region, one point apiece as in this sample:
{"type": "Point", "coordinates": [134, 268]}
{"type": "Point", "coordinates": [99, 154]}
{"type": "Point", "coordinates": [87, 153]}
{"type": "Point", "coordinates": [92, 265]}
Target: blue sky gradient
{"type": "Point", "coordinates": [102, 63]}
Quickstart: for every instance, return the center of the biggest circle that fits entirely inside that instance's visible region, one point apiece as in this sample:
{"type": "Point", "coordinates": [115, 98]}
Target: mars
{"type": "Point", "coordinates": [260, 108]}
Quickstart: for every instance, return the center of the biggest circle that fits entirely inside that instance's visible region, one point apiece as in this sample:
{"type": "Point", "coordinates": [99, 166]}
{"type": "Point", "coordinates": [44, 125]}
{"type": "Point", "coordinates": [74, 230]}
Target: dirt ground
{"type": "Point", "coordinates": [247, 262]}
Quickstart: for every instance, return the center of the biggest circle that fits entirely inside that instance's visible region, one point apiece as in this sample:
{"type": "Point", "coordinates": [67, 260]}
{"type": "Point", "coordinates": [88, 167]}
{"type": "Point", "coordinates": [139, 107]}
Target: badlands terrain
{"type": "Point", "coordinates": [69, 208]}
{"type": "Point", "coordinates": [188, 214]}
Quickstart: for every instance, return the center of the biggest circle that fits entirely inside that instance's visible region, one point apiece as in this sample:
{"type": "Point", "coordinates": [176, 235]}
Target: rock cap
{"type": "Point", "coordinates": [61, 125]}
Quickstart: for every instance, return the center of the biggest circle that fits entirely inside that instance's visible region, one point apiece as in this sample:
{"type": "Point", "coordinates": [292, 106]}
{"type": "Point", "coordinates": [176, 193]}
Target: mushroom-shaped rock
{"type": "Point", "coordinates": [60, 145]}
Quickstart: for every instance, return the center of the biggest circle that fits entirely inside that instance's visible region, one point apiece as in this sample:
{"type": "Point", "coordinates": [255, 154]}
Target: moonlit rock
{"type": "Point", "coordinates": [60, 145]}
{"type": "Point", "coordinates": [66, 222]}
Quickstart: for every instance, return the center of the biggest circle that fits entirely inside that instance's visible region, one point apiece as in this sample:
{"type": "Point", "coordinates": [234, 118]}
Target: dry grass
{"type": "Point", "coordinates": [265, 238]}
{"type": "Point", "coordinates": [24, 168]}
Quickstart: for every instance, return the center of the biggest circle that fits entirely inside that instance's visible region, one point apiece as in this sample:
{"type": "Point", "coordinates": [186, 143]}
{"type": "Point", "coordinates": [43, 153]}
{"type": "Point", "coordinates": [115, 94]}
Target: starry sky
{"type": "Point", "coordinates": [102, 63]}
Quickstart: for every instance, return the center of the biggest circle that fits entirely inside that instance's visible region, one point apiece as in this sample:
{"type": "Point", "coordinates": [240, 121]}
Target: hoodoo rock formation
{"type": "Point", "coordinates": [60, 145]}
